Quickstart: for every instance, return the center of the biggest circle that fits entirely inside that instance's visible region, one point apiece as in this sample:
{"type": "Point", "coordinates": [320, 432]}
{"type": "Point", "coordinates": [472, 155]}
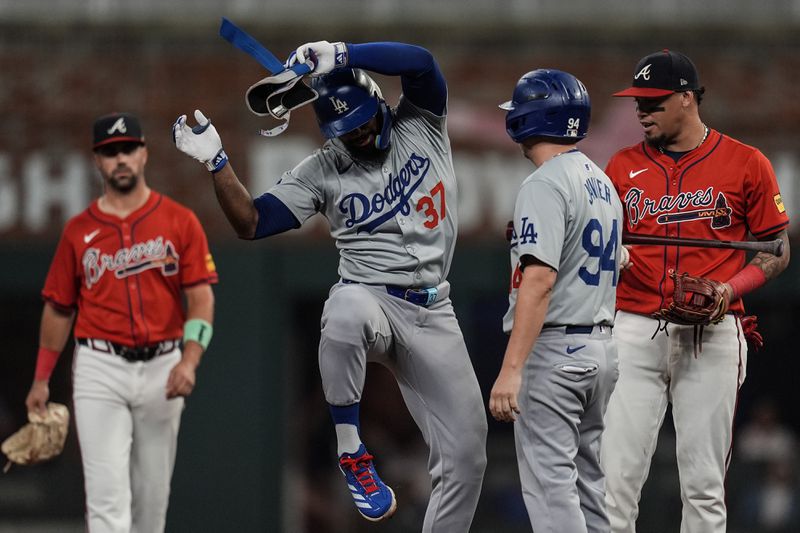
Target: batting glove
{"type": "Point", "coordinates": [322, 56]}
{"type": "Point", "coordinates": [201, 142]}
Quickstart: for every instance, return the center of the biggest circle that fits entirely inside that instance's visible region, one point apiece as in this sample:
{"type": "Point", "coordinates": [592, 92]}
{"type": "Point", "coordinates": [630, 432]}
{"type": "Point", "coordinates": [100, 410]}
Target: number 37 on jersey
{"type": "Point", "coordinates": [599, 244]}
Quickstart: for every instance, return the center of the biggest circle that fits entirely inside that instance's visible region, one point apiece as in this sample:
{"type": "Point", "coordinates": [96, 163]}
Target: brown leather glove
{"type": "Point", "coordinates": [696, 301]}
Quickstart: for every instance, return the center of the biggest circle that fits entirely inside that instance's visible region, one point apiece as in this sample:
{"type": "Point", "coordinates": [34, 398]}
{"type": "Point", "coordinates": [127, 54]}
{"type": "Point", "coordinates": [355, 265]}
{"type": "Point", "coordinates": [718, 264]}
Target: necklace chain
{"type": "Point", "coordinates": [705, 135]}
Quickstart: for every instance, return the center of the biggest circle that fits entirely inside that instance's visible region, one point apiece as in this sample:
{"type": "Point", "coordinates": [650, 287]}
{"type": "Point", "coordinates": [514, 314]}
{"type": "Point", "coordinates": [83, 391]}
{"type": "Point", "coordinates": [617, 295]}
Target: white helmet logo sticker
{"type": "Point", "coordinates": [338, 105]}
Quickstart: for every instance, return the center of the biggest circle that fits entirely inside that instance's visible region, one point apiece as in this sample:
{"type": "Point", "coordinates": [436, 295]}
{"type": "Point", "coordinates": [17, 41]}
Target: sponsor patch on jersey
{"type": "Point", "coordinates": [210, 266]}
{"type": "Point", "coordinates": [779, 203]}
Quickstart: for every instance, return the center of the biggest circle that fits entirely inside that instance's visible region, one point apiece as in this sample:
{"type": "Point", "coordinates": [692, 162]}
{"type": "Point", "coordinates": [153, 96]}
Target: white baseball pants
{"type": "Point", "coordinates": [128, 433]}
{"type": "Point", "coordinates": [700, 377]}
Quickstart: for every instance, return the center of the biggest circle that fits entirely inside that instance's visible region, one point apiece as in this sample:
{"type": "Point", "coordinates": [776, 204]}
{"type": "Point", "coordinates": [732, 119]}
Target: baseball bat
{"type": "Point", "coordinates": [774, 247]}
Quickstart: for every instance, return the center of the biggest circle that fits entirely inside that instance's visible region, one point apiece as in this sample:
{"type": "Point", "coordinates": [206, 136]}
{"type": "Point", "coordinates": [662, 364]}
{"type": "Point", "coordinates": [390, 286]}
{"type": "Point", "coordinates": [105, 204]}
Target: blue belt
{"type": "Point", "coordinates": [575, 330]}
{"type": "Point", "coordinates": [421, 297]}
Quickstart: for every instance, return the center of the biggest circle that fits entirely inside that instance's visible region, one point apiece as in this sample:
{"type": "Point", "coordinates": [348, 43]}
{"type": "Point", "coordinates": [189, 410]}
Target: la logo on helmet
{"type": "Point", "coordinates": [338, 105]}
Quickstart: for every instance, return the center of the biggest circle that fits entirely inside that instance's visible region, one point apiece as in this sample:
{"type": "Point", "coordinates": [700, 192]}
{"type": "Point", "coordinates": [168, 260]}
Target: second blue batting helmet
{"type": "Point", "coordinates": [548, 103]}
{"type": "Point", "coordinates": [348, 99]}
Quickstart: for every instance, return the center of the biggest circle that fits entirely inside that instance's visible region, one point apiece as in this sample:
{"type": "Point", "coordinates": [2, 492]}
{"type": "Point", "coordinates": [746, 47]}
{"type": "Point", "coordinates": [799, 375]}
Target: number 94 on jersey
{"type": "Point", "coordinates": [599, 249]}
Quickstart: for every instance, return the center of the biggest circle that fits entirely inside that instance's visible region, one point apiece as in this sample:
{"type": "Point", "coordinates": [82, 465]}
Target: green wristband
{"type": "Point", "coordinates": [199, 331]}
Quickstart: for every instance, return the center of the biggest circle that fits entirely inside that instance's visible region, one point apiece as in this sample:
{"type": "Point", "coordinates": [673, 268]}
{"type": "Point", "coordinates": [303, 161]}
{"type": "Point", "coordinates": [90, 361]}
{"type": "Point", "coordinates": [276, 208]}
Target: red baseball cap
{"type": "Point", "coordinates": [117, 128]}
{"type": "Point", "coordinates": [661, 74]}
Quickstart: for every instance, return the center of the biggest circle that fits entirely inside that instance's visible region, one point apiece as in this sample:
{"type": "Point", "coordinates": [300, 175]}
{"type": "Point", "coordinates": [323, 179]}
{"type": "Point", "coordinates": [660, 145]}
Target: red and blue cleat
{"type": "Point", "coordinates": [373, 498]}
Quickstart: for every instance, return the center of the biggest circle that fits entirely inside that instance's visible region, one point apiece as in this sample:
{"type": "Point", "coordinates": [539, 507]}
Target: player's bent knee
{"type": "Point", "coordinates": [350, 312]}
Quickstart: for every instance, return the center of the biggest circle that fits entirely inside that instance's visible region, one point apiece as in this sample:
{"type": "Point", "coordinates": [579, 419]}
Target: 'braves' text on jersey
{"type": "Point", "coordinates": [128, 274]}
{"type": "Point", "coordinates": [391, 219]}
{"type": "Point", "coordinates": [721, 190]}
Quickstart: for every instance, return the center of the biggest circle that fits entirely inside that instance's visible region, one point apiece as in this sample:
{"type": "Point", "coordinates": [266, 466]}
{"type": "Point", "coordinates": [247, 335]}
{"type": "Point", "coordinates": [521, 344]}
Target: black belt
{"type": "Point", "coordinates": [421, 297]}
{"type": "Point", "coordinates": [575, 330]}
{"type": "Point", "coordinates": [131, 353]}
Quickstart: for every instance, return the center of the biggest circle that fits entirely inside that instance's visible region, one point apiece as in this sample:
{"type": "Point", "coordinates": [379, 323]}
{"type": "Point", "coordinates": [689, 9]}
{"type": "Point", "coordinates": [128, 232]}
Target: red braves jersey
{"type": "Point", "coordinates": [125, 276]}
{"type": "Point", "coordinates": [723, 190]}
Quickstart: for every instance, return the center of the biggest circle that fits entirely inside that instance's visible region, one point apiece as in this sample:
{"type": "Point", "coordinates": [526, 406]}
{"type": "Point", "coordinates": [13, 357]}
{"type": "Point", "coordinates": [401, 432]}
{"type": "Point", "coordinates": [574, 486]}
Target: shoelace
{"type": "Point", "coordinates": [360, 467]}
{"type": "Point", "coordinates": [698, 340]}
{"type": "Point", "coordinates": [698, 335]}
{"type": "Point", "coordinates": [659, 327]}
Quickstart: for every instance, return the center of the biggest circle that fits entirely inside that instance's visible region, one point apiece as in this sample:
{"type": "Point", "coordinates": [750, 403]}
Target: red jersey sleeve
{"type": "Point", "coordinates": [611, 169]}
{"type": "Point", "coordinates": [62, 285]}
{"type": "Point", "coordinates": [764, 208]}
{"type": "Point", "coordinates": [196, 264]}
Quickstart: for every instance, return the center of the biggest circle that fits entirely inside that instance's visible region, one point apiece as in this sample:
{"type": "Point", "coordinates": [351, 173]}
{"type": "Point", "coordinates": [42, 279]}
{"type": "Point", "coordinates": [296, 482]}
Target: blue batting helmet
{"type": "Point", "coordinates": [548, 103]}
{"type": "Point", "coordinates": [348, 99]}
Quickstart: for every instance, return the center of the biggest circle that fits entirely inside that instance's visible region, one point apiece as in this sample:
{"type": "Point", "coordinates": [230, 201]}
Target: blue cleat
{"type": "Point", "coordinates": [373, 498]}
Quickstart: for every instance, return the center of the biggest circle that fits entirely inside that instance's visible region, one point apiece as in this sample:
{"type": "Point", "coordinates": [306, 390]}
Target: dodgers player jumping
{"type": "Point", "coordinates": [385, 182]}
{"type": "Point", "coordinates": [560, 365]}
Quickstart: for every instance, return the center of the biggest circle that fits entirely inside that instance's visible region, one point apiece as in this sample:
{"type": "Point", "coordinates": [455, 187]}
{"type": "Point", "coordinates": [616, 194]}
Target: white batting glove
{"type": "Point", "coordinates": [321, 56]}
{"type": "Point", "coordinates": [201, 142]}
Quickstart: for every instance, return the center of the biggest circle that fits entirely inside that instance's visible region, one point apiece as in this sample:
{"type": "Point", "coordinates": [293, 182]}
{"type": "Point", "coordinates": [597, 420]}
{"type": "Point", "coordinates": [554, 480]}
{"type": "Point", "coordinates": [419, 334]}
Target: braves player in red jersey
{"type": "Point", "coordinates": [121, 270]}
{"type": "Point", "coordinates": [684, 180]}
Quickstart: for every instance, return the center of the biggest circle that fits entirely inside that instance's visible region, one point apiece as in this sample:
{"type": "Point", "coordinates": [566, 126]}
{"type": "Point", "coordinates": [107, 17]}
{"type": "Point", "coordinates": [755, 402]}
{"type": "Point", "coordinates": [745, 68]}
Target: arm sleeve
{"type": "Point", "coordinates": [422, 80]}
{"type": "Point", "coordinates": [612, 169]}
{"type": "Point", "coordinates": [766, 214]}
{"type": "Point", "coordinates": [300, 191]}
{"type": "Point", "coordinates": [537, 214]}
{"type": "Point", "coordinates": [62, 285]}
{"type": "Point", "coordinates": [273, 216]}
{"type": "Point", "coordinates": [197, 264]}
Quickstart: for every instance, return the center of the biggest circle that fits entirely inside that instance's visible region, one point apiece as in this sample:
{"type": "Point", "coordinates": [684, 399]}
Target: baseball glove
{"type": "Point", "coordinates": [39, 440]}
{"type": "Point", "coordinates": [695, 301]}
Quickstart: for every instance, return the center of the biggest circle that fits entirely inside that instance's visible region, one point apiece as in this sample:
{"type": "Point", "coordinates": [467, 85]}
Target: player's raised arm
{"type": "Point", "coordinates": [422, 80]}
{"type": "Point", "coordinates": [247, 218]}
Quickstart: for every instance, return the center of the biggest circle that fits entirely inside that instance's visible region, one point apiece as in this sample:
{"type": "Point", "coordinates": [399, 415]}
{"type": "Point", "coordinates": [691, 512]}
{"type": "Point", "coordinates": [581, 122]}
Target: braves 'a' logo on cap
{"type": "Point", "coordinates": [644, 73]}
{"type": "Point", "coordinates": [119, 126]}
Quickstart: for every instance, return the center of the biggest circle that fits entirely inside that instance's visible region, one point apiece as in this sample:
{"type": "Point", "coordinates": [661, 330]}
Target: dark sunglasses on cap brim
{"type": "Point", "coordinates": [112, 149]}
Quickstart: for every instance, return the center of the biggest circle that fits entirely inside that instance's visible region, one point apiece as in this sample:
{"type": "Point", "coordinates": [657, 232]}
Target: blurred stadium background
{"type": "Point", "coordinates": [256, 450]}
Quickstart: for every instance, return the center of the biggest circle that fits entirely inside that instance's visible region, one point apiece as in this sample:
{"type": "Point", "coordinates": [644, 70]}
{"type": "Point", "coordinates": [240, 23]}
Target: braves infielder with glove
{"type": "Point", "coordinates": [560, 365]}
{"type": "Point", "coordinates": [385, 182]}
{"type": "Point", "coordinates": [124, 266]}
{"type": "Point", "coordinates": [684, 180]}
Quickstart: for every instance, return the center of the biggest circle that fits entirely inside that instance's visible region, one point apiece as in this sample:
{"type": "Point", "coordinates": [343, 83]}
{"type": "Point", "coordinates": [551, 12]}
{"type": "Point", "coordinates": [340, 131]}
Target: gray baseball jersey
{"type": "Point", "coordinates": [392, 219]}
{"type": "Point", "coordinates": [568, 216]}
